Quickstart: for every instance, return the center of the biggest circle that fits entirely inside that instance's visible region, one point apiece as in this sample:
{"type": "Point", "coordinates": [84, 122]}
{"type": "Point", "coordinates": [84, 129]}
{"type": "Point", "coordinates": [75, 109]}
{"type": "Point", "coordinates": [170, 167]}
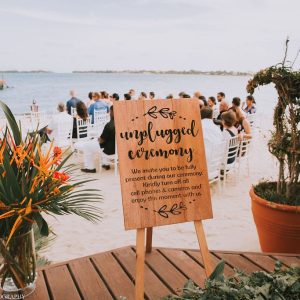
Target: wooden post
{"type": "Point", "coordinates": [149, 239]}
{"type": "Point", "coordinates": [203, 247]}
{"type": "Point", "coordinates": [140, 264]}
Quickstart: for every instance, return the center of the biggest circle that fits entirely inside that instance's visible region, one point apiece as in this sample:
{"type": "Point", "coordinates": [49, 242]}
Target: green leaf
{"type": "Point", "coordinates": [41, 223]}
{"type": "Point", "coordinates": [12, 123]}
{"type": "Point", "coordinates": [218, 272]}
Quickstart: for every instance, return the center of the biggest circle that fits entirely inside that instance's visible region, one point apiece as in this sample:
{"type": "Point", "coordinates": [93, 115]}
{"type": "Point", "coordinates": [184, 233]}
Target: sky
{"type": "Point", "coordinates": [66, 35]}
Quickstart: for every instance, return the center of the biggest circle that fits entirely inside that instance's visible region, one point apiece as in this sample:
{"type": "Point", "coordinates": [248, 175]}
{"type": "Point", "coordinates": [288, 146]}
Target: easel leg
{"type": "Point", "coordinates": [149, 239]}
{"type": "Point", "coordinates": [203, 247]}
{"type": "Point", "coordinates": [140, 262]}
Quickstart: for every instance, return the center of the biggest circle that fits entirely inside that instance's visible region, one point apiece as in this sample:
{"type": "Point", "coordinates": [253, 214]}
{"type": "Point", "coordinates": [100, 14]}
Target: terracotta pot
{"type": "Point", "coordinates": [278, 225]}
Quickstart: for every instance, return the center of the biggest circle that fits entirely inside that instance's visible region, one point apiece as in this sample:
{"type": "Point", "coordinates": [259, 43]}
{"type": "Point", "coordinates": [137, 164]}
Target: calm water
{"type": "Point", "coordinates": [49, 89]}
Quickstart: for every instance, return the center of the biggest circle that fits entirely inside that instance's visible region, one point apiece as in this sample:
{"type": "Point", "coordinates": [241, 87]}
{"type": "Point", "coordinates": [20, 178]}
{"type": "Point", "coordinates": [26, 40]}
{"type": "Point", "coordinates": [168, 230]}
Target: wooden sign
{"type": "Point", "coordinates": [162, 162]}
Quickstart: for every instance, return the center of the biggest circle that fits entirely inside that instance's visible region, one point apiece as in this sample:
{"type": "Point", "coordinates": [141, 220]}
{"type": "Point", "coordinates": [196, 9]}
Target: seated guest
{"type": "Point", "coordinates": [106, 141]}
{"type": "Point", "coordinates": [250, 107]}
{"type": "Point", "coordinates": [72, 102]}
{"type": "Point", "coordinates": [127, 97]}
{"type": "Point", "coordinates": [236, 105]}
{"type": "Point", "coordinates": [151, 95]}
{"type": "Point", "coordinates": [98, 105]}
{"type": "Point", "coordinates": [242, 124]}
{"type": "Point", "coordinates": [131, 93]}
{"type": "Point", "coordinates": [221, 100]}
{"type": "Point", "coordinates": [91, 100]}
{"type": "Point", "coordinates": [81, 113]}
{"type": "Point", "coordinates": [142, 96]}
{"type": "Point", "coordinates": [115, 97]}
{"type": "Point", "coordinates": [229, 121]}
{"type": "Point", "coordinates": [197, 94]}
{"type": "Point", "coordinates": [223, 108]}
{"type": "Point", "coordinates": [34, 107]}
{"type": "Point", "coordinates": [186, 96]}
{"type": "Point", "coordinates": [170, 96]}
{"type": "Point", "coordinates": [212, 137]}
{"type": "Point", "coordinates": [212, 103]}
{"type": "Point", "coordinates": [61, 117]}
{"type": "Point", "coordinates": [203, 99]}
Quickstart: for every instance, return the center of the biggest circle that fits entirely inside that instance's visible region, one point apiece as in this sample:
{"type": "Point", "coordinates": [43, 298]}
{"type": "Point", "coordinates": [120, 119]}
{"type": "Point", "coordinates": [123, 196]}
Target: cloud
{"type": "Point", "coordinates": [49, 16]}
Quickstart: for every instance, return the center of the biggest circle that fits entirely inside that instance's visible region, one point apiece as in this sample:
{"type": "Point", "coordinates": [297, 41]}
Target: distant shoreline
{"type": "Point", "coordinates": [155, 72]}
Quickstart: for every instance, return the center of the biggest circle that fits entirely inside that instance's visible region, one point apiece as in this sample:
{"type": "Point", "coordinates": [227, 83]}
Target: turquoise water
{"type": "Point", "coordinates": [49, 88]}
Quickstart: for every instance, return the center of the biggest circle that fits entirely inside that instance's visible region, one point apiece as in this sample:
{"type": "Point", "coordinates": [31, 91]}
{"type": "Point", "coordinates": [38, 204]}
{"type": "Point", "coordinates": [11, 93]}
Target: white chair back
{"type": "Point", "coordinates": [243, 155]}
{"type": "Point", "coordinates": [63, 135]}
{"type": "Point", "coordinates": [83, 127]}
{"type": "Point", "coordinates": [101, 117]}
{"type": "Point", "coordinates": [73, 112]}
{"type": "Point", "coordinates": [215, 162]}
{"type": "Point", "coordinates": [232, 151]}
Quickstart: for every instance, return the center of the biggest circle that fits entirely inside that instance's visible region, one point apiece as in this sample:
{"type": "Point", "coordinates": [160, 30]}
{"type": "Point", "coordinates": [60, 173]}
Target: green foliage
{"type": "Point", "coordinates": [267, 190]}
{"type": "Point", "coordinates": [285, 141]}
{"type": "Point", "coordinates": [281, 284]}
{"type": "Point", "coordinates": [41, 244]}
{"type": "Point", "coordinates": [33, 183]}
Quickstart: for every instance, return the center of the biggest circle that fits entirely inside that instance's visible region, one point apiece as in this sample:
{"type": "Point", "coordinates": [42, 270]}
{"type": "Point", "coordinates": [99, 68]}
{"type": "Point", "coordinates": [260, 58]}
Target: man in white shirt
{"type": "Point", "coordinates": [60, 126]}
{"type": "Point", "coordinates": [213, 140]}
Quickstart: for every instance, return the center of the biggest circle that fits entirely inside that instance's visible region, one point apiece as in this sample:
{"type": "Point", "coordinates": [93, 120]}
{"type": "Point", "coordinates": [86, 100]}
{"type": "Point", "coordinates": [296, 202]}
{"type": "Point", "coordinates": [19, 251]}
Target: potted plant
{"type": "Point", "coordinates": [32, 183]}
{"type": "Point", "coordinates": [276, 205]}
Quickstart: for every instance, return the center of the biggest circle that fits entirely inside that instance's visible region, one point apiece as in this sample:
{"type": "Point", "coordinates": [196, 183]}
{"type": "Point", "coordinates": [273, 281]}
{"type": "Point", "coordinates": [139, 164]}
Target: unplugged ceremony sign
{"type": "Point", "coordinates": [162, 161]}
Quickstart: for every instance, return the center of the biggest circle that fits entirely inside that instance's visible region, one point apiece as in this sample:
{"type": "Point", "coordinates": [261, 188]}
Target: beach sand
{"type": "Point", "coordinates": [232, 227]}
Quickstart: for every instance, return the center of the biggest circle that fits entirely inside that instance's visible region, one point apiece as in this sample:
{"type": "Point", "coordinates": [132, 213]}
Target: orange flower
{"type": "Point", "coordinates": [2, 150]}
{"type": "Point", "coordinates": [57, 153]}
{"type": "Point", "coordinates": [62, 176]}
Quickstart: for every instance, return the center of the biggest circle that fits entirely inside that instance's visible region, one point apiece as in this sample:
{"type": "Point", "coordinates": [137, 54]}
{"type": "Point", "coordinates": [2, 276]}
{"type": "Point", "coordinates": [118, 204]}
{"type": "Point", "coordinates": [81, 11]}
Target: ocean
{"type": "Point", "coordinates": [48, 89]}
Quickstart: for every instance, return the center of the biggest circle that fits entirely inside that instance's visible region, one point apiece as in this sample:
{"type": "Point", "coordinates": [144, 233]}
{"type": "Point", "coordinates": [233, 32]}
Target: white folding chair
{"type": "Point", "coordinates": [230, 158]}
{"type": "Point", "coordinates": [101, 117]}
{"type": "Point", "coordinates": [215, 163]}
{"type": "Point", "coordinates": [73, 112]}
{"type": "Point", "coordinates": [63, 136]}
{"type": "Point", "coordinates": [243, 154]}
{"type": "Point", "coordinates": [83, 128]}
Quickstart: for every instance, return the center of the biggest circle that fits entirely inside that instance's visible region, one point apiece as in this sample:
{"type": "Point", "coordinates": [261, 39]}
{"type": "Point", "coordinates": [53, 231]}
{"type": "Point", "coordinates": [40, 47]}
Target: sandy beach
{"type": "Point", "coordinates": [232, 227]}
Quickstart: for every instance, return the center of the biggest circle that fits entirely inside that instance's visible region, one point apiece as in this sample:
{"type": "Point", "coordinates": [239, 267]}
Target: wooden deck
{"type": "Point", "coordinates": [110, 275]}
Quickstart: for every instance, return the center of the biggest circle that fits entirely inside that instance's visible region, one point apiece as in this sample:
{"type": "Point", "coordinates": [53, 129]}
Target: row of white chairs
{"type": "Point", "coordinates": [228, 158]}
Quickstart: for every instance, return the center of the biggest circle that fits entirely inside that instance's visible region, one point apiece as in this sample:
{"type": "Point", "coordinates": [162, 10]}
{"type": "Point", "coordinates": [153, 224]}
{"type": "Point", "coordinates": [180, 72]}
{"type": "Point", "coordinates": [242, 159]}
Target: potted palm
{"type": "Point", "coordinates": [276, 205]}
{"type": "Point", "coordinates": [32, 183]}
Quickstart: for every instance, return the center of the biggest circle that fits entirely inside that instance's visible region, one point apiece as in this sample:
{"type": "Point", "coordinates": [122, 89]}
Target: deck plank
{"type": "Point", "coordinates": [166, 271]}
{"type": "Point", "coordinates": [186, 264]}
{"type": "Point", "coordinates": [239, 262]}
{"type": "Point", "coordinates": [93, 288]}
{"type": "Point", "coordinates": [61, 283]}
{"type": "Point", "coordinates": [228, 271]}
{"type": "Point", "coordinates": [41, 291]}
{"type": "Point", "coordinates": [115, 277]}
{"type": "Point", "coordinates": [287, 260]}
{"type": "Point", "coordinates": [111, 274]}
{"type": "Point", "coordinates": [154, 288]}
{"type": "Point", "coordinates": [264, 261]}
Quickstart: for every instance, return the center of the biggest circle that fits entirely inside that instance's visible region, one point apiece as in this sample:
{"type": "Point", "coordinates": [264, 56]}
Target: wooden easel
{"type": "Point", "coordinates": [140, 255]}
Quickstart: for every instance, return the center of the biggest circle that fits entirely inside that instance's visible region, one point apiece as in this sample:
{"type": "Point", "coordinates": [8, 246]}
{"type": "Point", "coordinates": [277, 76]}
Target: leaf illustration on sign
{"type": "Point", "coordinates": [165, 112]}
{"type": "Point", "coordinates": [176, 209]}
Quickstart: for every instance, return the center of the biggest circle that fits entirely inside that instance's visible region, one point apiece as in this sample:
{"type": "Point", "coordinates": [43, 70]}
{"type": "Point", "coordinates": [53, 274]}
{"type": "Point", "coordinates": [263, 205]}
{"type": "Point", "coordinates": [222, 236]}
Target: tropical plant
{"type": "Point", "coordinates": [281, 284]}
{"type": "Point", "coordinates": [33, 183]}
{"type": "Point", "coordinates": [285, 140]}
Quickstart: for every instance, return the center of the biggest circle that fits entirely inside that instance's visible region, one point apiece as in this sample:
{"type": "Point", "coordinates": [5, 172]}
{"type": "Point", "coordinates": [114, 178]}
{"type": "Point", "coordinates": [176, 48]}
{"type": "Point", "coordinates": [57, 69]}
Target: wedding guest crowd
{"type": "Point", "coordinates": [220, 121]}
